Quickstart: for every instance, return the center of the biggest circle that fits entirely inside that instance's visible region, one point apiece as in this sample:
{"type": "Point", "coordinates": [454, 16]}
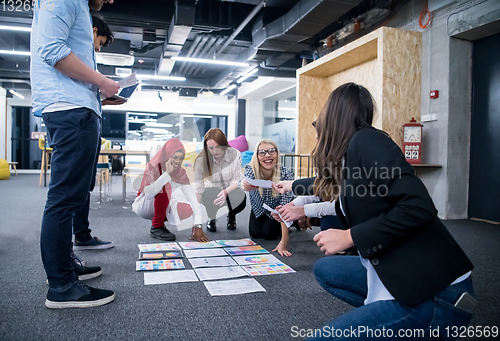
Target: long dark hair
{"type": "Point", "coordinates": [218, 136]}
{"type": "Point", "coordinates": [348, 109]}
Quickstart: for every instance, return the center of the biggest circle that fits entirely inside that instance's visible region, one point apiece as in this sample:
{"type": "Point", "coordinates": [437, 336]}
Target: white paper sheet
{"type": "Point", "coordinates": [287, 223]}
{"type": "Point", "coordinates": [268, 269]}
{"type": "Point", "coordinates": [236, 242]}
{"type": "Point", "coordinates": [259, 183]}
{"type": "Point", "coordinates": [164, 277]}
{"type": "Point", "coordinates": [158, 247]}
{"type": "Point", "coordinates": [207, 274]}
{"type": "Point", "coordinates": [128, 81]}
{"type": "Point", "coordinates": [205, 253]}
{"type": "Point", "coordinates": [211, 261]}
{"type": "Point", "coordinates": [233, 287]}
{"type": "Point", "coordinates": [198, 245]}
{"type": "Point", "coordinates": [256, 259]}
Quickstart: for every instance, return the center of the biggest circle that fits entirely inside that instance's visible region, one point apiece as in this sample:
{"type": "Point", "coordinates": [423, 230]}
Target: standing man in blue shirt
{"type": "Point", "coordinates": [65, 92]}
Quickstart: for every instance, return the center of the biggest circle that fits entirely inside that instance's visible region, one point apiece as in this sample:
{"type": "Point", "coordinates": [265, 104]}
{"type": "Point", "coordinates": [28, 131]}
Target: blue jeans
{"type": "Point", "coordinates": [345, 278]}
{"type": "Point", "coordinates": [74, 137]}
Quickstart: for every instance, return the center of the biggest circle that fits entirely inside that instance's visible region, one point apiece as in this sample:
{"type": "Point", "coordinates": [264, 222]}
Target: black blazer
{"type": "Point", "coordinates": [393, 220]}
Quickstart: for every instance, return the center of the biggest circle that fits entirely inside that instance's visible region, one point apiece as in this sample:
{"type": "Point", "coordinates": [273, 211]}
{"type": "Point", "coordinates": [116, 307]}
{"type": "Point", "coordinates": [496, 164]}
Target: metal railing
{"type": "Point", "coordinates": [299, 164]}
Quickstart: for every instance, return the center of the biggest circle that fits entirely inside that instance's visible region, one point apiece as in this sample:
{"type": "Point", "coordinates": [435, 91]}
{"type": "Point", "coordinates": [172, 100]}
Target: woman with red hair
{"type": "Point", "coordinates": [217, 170]}
{"type": "Point", "coordinates": [164, 176]}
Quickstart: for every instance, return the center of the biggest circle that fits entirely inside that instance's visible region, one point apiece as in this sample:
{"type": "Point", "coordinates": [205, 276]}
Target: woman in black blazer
{"type": "Point", "coordinates": [410, 276]}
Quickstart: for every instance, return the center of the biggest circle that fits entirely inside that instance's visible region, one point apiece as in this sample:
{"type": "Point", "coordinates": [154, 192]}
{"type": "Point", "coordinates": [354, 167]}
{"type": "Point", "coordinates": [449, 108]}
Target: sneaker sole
{"type": "Point", "coordinates": [90, 276]}
{"type": "Point", "coordinates": [93, 247]}
{"type": "Point", "coordinates": [85, 277]}
{"type": "Point", "coordinates": [78, 304]}
{"type": "Point", "coordinates": [165, 239]}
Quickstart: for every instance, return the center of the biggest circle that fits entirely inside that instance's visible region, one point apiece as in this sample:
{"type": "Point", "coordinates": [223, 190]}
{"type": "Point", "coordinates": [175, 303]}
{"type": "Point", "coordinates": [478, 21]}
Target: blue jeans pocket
{"type": "Point", "coordinates": [448, 319]}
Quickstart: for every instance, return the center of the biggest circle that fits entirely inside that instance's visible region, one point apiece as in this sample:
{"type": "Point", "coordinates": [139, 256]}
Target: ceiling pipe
{"type": "Point", "coordinates": [241, 27]}
{"type": "Point", "coordinates": [194, 67]}
{"type": "Point", "coordinates": [193, 51]}
{"type": "Point", "coordinates": [219, 41]}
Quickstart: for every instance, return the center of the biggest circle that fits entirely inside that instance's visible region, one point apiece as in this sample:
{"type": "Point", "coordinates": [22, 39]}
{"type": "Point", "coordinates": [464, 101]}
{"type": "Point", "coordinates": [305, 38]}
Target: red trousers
{"type": "Point", "coordinates": [162, 200]}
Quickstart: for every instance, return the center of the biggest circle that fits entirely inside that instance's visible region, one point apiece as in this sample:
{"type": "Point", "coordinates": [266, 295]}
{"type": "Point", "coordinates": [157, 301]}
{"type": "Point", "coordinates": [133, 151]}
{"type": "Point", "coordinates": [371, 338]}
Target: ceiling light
{"type": "Point", "coordinates": [142, 114]}
{"type": "Point", "coordinates": [17, 53]}
{"type": "Point", "coordinates": [196, 116]}
{"type": "Point", "coordinates": [242, 78]}
{"type": "Point", "coordinates": [159, 125]}
{"type": "Point", "coordinates": [229, 88]}
{"type": "Point", "coordinates": [208, 61]}
{"type": "Point", "coordinates": [16, 94]}
{"type": "Point", "coordinates": [15, 28]}
{"type": "Point", "coordinates": [155, 130]}
{"type": "Point", "coordinates": [208, 94]}
{"type": "Point", "coordinates": [114, 59]}
{"type": "Point", "coordinates": [160, 78]}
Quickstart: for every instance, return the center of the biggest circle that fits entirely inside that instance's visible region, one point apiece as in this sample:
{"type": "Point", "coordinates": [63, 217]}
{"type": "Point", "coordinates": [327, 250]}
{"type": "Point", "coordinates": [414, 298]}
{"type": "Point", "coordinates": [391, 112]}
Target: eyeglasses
{"type": "Point", "coordinates": [270, 151]}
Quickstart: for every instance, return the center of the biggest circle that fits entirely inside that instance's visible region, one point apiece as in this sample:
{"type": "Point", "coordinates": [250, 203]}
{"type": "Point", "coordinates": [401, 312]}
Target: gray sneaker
{"type": "Point", "coordinates": [162, 233]}
{"type": "Point", "coordinates": [93, 244]}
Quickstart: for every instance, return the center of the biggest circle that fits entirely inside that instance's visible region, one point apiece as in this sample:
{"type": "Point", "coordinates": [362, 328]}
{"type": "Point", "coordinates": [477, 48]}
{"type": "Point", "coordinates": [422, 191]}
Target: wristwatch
{"type": "Point", "coordinates": [200, 226]}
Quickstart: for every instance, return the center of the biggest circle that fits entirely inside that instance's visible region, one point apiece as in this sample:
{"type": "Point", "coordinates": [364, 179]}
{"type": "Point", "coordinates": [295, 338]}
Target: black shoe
{"type": "Point", "coordinates": [231, 222]}
{"type": "Point", "coordinates": [93, 244]}
{"type": "Point", "coordinates": [211, 225]}
{"type": "Point", "coordinates": [87, 272]}
{"type": "Point", "coordinates": [78, 295]}
{"type": "Point", "coordinates": [162, 233]}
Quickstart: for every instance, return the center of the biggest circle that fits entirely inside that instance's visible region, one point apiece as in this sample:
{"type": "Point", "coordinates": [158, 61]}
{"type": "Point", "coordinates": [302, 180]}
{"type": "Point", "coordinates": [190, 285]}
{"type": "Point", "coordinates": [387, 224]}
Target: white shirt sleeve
{"type": "Point", "coordinates": [320, 209]}
{"type": "Point", "coordinates": [302, 200]}
{"type": "Point", "coordinates": [152, 190]}
{"type": "Point", "coordinates": [193, 201]}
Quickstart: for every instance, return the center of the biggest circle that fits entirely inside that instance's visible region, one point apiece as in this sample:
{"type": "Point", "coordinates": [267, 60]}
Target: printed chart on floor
{"type": "Point", "coordinates": [245, 250]}
{"type": "Point", "coordinates": [198, 245]}
{"type": "Point", "coordinates": [204, 253]}
{"type": "Point", "coordinates": [268, 269]}
{"type": "Point", "coordinates": [211, 262]}
{"type": "Point", "coordinates": [258, 259]}
{"type": "Point", "coordinates": [165, 277]}
{"type": "Point", "coordinates": [160, 254]}
{"type": "Point", "coordinates": [233, 287]}
{"type": "Point", "coordinates": [237, 242]}
{"type": "Point", "coordinates": [164, 264]}
{"type": "Point", "coordinates": [158, 247]}
{"type": "Point", "coordinates": [208, 274]}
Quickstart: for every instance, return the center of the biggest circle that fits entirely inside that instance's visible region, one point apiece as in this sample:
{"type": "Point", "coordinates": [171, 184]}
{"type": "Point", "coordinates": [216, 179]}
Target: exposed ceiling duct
{"type": "Point", "coordinates": [289, 33]}
{"type": "Point", "coordinates": [178, 32]}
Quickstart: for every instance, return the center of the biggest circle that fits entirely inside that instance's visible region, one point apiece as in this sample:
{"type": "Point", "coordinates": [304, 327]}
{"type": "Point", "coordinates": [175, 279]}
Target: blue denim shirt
{"type": "Point", "coordinates": [54, 35]}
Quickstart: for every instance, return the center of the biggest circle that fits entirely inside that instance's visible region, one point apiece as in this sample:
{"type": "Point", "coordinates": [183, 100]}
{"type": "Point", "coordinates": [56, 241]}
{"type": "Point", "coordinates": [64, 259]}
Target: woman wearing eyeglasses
{"type": "Point", "coordinates": [162, 178]}
{"type": "Point", "coordinates": [265, 165]}
{"type": "Point", "coordinates": [217, 171]}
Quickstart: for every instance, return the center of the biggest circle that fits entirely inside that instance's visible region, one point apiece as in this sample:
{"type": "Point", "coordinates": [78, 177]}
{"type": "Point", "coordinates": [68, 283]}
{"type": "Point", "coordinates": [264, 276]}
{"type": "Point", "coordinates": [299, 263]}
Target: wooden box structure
{"type": "Point", "coordinates": [386, 61]}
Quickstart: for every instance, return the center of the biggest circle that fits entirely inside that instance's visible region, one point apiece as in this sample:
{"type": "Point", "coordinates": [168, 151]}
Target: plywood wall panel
{"type": "Point", "coordinates": [387, 62]}
{"type": "Point", "coordinates": [402, 68]}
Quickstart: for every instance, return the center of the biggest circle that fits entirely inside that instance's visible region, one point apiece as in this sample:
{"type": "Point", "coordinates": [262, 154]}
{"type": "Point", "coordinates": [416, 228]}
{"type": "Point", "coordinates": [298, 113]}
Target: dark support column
{"type": "Point", "coordinates": [240, 117]}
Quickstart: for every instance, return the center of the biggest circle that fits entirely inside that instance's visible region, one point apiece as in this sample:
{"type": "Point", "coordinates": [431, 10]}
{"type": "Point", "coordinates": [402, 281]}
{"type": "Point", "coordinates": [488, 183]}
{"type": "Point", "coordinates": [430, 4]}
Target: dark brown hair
{"type": "Point", "coordinates": [348, 109]}
{"type": "Point", "coordinates": [218, 136]}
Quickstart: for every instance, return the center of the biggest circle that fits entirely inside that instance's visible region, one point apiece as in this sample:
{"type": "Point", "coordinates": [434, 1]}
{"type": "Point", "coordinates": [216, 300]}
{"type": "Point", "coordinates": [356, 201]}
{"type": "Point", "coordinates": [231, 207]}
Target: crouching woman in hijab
{"type": "Point", "coordinates": [157, 197]}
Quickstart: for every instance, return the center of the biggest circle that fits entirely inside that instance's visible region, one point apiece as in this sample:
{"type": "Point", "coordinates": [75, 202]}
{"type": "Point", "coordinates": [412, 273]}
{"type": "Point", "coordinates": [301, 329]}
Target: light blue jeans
{"type": "Point", "coordinates": [434, 319]}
